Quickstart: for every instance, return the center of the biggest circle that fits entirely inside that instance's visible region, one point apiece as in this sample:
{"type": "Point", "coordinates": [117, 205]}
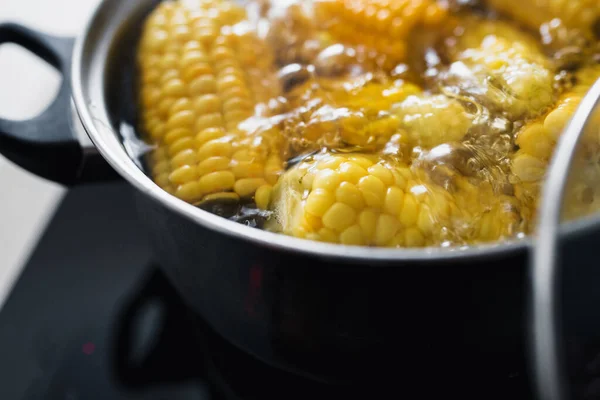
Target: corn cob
{"type": "Point", "coordinates": [580, 14]}
{"type": "Point", "coordinates": [537, 140]}
{"type": "Point", "coordinates": [198, 83]}
{"type": "Point", "coordinates": [340, 112]}
{"type": "Point", "coordinates": [501, 68]}
{"type": "Point", "coordinates": [433, 119]}
{"type": "Point", "coordinates": [383, 26]}
{"type": "Point", "coordinates": [360, 93]}
{"type": "Point", "coordinates": [360, 199]}
{"type": "Point", "coordinates": [335, 113]}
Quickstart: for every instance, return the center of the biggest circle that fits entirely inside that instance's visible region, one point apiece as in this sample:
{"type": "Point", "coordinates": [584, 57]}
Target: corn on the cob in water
{"type": "Point", "coordinates": [360, 199]}
{"type": "Point", "coordinates": [332, 113]}
{"type": "Point", "coordinates": [199, 84]}
{"type": "Point", "coordinates": [537, 140]}
{"type": "Point", "coordinates": [501, 68]}
{"type": "Point", "coordinates": [431, 120]}
{"type": "Point", "coordinates": [224, 121]}
{"type": "Point", "coordinates": [383, 26]}
{"type": "Point", "coordinates": [580, 14]}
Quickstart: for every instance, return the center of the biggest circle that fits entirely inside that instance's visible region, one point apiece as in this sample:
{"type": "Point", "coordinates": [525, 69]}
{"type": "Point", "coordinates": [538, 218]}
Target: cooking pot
{"type": "Point", "coordinates": [326, 312]}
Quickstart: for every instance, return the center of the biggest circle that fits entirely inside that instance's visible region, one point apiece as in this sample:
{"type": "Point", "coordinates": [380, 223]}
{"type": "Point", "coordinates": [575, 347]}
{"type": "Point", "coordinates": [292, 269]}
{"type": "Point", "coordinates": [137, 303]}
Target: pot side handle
{"type": "Point", "coordinates": [47, 145]}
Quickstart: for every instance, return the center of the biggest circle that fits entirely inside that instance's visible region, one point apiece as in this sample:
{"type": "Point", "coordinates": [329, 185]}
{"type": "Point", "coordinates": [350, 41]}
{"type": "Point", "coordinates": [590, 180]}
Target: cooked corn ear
{"type": "Point", "coordinates": [384, 26]}
{"type": "Point", "coordinates": [433, 119]}
{"type": "Point", "coordinates": [360, 199]}
{"type": "Point", "coordinates": [198, 84]}
{"type": "Point", "coordinates": [502, 68]}
{"type": "Point", "coordinates": [537, 140]}
{"type": "Point", "coordinates": [333, 114]}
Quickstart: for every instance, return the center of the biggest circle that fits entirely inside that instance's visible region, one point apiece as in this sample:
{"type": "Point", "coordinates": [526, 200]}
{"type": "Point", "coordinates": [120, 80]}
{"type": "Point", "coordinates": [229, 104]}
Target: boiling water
{"type": "Point", "coordinates": [329, 88]}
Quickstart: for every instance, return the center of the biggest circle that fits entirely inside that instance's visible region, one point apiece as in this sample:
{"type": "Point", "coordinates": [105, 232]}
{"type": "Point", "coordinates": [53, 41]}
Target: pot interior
{"type": "Point", "coordinates": [104, 88]}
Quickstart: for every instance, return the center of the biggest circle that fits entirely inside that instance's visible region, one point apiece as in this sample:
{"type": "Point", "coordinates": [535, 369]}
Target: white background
{"type": "Point", "coordinates": [27, 86]}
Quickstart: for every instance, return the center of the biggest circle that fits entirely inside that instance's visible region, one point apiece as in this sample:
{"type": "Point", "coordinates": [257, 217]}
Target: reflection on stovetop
{"type": "Point", "coordinates": [56, 326]}
{"type": "Point", "coordinates": [92, 317]}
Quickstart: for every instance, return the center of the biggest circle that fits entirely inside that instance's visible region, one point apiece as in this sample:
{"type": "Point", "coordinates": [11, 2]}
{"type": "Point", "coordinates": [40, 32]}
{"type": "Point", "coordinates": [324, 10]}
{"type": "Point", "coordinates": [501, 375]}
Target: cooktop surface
{"type": "Point", "coordinates": [64, 320]}
{"type": "Point", "coordinates": [92, 317]}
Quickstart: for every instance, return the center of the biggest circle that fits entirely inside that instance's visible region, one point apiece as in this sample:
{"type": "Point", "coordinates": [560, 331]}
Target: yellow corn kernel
{"type": "Point", "coordinates": [394, 199]}
{"type": "Point", "coordinates": [348, 193]}
{"type": "Point", "coordinates": [328, 235]}
{"type": "Point", "coordinates": [165, 105]}
{"type": "Point", "coordinates": [273, 169]}
{"type": "Point", "coordinates": [197, 70]}
{"type": "Point", "coordinates": [209, 134]}
{"type": "Point", "coordinates": [176, 134]}
{"type": "Point", "coordinates": [368, 223]}
{"type": "Point", "coordinates": [425, 221]}
{"type": "Point", "coordinates": [192, 57]}
{"type": "Point", "coordinates": [339, 217]}
{"type": "Point", "coordinates": [386, 229]}
{"type": "Point", "coordinates": [222, 197]}
{"type": "Point", "coordinates": [182, 119]}
{"type": "Point", "coordinates": [218, 147]}
{"type": "Point", "coordinates": [216, 182]}
{"type": "Point", "coordinates": [150, 96]}
{"type": "Point", "coordinates": [352, 172]}
{"type": "Point", "coordinates": [174, 88]}
{"type": "Point", "coordinates": [262, 197]}
{"type": "Point", "coordinates": [373, 190]}
{"type": "Point", "coordinates": [313, 223]}
{"type": "Point", "coordinates": [326, 179]}
{"type": "Point", "coordinates": [319, 201]}
{"type": "Point", "coordinates": [202, 85]}
{"type": "Point", "coordinates": [382, 173]}
{"type": "Point", "coordinates": [352, 236]}
{"type": "Point", "coordinates": [169, 75]}
{"type": "Point", "coordinates": [183, 175]}
{"type": "Point", "coordinates": [179, 145]}
{"type": "Point", "coordinates": [161, 167]}
{"type": "Point", "coordinates": [207, 104]}
{"type": "Point", "coordinates": [190, 192]}
{"type": "Point", "coordinates": [243, 169]}
{"type": "Point", "coordinates": [185, 157]}
{"type": "Point", "coordinates": [212, 120]}
{"type": "Point", "coordinates": [162, 180]}
{"type": "Point", "coordinates": [410, 211]}
{"type": "Point", "coordinates": [247, 187]}
{"type": "Point", "coordinates": [213, 164]}
{"type": "Point", "coordinates": [168, 62]}
{"type": "Point", "coordinates": [414, 238]}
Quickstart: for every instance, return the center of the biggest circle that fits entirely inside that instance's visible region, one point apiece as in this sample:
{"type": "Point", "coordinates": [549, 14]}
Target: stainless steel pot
{"type": "Point", "coordinates": [323, 311]}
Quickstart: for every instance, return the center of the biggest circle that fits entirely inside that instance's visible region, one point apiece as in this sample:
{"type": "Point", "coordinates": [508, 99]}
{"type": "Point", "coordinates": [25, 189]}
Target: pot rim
{"type": "Point", "coordinates": [93, 115]}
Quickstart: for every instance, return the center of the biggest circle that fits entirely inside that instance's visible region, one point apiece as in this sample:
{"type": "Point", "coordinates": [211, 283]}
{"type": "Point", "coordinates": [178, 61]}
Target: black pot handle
{"type": "Point", "coordinates": [47, 145]}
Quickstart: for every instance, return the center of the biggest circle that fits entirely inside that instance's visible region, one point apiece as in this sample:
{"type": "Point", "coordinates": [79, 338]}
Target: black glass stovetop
{"type": "Point", "coordinates": [93, 318]}
{"type": "Point", "coordinates": [62, 325]}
